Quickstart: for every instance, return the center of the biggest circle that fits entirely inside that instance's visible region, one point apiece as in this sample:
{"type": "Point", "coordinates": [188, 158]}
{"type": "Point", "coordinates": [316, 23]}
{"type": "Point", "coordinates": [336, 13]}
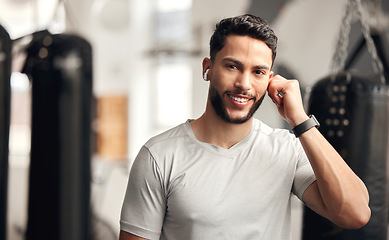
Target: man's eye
{"type": "Point", "coordinates": [232, 66]}
{"type": "Point", "coordinates": [259, 72]}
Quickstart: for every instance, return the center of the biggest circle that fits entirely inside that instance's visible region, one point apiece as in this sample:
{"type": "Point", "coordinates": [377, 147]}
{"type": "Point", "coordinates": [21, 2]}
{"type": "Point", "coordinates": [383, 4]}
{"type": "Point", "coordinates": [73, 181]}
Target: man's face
{"type": "Point", "coordinates": [239, 76]}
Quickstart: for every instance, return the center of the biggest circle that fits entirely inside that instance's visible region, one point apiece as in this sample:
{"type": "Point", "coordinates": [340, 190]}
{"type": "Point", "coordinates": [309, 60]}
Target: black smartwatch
{"type": "Point", "coordinates": [305, 126]}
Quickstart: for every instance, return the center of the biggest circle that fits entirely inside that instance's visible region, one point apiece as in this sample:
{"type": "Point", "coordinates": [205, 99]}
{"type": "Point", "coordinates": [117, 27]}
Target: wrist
{"type": "Point", "coordinates": [298, 120]}
{"type": "Point", "coordinates": [305, 126]}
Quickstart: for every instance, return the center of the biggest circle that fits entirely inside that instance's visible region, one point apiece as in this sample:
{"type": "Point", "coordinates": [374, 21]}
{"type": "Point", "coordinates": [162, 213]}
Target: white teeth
{"type": "Point", "coordinates": [238, 99]}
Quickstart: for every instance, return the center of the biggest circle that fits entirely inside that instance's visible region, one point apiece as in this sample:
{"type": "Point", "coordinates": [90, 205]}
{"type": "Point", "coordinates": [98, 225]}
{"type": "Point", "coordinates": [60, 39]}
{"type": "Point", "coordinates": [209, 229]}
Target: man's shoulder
{"type": "Point", "coordinates": [168, 137]}
{"type": "Point", "coordinates": [268, 130]}
{"type": "Point", "coordinates": [278, 134]}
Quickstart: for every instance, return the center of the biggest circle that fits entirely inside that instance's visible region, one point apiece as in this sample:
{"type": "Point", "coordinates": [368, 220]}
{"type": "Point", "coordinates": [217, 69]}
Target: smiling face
{"type": "Point", "coordinates": [239, 76]}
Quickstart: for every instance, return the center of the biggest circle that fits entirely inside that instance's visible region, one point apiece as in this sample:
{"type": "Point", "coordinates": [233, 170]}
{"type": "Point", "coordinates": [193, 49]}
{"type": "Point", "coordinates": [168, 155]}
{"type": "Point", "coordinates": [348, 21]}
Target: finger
{"type": "Point", "coordinates": [276, 89]}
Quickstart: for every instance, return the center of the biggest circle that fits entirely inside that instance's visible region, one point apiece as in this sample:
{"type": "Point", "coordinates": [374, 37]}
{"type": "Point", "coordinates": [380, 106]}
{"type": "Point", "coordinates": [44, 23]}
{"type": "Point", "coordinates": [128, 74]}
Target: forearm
{"type": "Point", "coordinates": [344, 195]}
{"type": "Point", "coordinates": [338, 194]}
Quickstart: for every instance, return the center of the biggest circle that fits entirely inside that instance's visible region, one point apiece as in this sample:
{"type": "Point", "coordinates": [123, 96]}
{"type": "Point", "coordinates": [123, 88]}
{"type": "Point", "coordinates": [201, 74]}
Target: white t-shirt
{"type": "Point", "coordinates": [183, 189]}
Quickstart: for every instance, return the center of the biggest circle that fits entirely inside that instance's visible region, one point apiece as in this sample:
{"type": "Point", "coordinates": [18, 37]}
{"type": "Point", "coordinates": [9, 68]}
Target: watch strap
{"type": "Point", "coordinates": [305, 126]}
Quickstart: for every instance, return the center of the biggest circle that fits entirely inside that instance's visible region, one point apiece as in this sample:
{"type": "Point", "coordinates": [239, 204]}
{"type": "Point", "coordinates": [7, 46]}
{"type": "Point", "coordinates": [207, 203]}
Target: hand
{"type": "Point", "coordinates": [286, 95]}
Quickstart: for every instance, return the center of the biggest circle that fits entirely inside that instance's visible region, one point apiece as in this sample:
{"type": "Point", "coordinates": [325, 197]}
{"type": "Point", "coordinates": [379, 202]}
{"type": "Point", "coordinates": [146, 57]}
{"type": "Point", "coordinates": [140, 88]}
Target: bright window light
{"type": "Point", "coordinates": [174, 94]}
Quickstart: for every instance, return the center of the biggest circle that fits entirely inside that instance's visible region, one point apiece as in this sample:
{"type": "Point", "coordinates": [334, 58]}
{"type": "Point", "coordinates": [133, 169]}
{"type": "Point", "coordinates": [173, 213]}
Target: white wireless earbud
{"type": "Point", "coordinates": [205, 75]}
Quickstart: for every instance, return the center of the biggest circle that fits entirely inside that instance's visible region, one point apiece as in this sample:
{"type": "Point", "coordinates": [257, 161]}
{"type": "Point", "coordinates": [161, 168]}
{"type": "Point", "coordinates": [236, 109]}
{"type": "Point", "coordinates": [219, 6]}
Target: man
{"type": "Point", "coordinates": [227, 175]}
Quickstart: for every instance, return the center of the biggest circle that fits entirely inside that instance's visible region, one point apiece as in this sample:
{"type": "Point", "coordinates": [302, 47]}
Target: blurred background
{"type": "Point", "coordinates": [147, 77]}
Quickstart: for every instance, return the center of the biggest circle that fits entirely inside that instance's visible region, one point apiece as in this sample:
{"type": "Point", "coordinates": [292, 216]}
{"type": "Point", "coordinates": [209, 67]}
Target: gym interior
{"type": "Point", "coordinates": [84, 84]}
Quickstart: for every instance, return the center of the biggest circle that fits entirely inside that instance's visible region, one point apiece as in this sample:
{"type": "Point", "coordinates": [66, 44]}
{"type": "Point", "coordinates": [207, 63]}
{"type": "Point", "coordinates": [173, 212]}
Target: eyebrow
{"type": "Point", "coordinates": [239, 63]}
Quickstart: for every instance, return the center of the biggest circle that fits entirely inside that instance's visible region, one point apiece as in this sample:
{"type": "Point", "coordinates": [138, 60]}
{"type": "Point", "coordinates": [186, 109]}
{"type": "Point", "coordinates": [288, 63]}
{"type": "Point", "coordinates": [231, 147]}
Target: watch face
{"type": "Point", "coordinates": [314, 119]}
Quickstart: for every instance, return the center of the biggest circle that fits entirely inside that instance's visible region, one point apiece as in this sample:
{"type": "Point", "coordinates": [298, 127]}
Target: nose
{"type": "Point", "coordinates": [243, 82]}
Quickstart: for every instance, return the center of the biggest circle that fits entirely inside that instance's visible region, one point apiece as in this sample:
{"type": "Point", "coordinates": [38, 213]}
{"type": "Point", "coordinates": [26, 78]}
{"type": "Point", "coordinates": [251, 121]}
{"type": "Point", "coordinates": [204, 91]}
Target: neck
{"type": "Point", "coordinates": [210, 128]}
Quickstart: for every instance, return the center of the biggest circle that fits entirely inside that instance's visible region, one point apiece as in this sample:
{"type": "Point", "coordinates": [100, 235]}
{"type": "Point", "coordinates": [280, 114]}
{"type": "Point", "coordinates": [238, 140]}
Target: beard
{"type": "Point", "coordinates": [221, 110]}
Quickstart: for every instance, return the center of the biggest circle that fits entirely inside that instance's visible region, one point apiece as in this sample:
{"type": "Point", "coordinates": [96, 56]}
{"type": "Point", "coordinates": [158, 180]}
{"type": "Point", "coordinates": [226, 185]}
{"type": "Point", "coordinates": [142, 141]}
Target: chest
{"type": "Point", "coordinates": [214, 189]}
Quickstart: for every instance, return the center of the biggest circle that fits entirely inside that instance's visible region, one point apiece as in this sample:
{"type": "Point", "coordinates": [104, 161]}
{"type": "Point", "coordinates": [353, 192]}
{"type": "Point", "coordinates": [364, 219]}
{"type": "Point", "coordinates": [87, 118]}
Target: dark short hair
{"type": "Point", "coordinates": [243, 25]}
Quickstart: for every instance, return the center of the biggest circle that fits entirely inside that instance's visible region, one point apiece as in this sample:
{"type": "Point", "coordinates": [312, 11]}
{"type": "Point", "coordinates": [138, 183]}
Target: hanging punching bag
{"type": "Point", "coordinates": [60, 67]}
{"type": "Point", "coordinates": [354, 110]}
{"type": "Point", "coordinates": [5, 93]}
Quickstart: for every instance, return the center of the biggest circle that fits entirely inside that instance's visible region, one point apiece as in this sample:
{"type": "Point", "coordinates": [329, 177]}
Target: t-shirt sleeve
{"type": "Point", "coordinates": [144, 203]}
{"type": "Point", "coordinates": [304, 175]}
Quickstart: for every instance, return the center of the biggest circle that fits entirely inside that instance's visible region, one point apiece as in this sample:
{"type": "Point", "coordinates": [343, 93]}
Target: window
{"type": "Point", "coordinates": [174, 93]}
{"type": "Point", "coordinates": [172, 57]}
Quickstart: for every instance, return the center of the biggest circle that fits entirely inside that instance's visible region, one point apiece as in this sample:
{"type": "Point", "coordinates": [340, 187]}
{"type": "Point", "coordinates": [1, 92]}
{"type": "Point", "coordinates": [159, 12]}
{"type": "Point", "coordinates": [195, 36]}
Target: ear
{"type": "Point", "coordinates": [271, 74]}
{"type": "Point", "coordinates": [207, 65]}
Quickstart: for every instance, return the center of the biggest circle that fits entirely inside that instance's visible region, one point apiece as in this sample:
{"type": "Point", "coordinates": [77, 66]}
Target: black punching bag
{"type": "Point", "coordinates": [60, 68]}
{"type": "Point", "coordinates": [353, 109]}
{"type": "Point", "coordinates": [5, 93]}
{"type": "Point", "coordinates": [356, 125]}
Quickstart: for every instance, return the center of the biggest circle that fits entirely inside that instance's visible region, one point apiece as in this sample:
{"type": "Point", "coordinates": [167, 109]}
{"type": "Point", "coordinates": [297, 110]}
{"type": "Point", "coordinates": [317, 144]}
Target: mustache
{"type": "Point", "coordinates": [240, 92]}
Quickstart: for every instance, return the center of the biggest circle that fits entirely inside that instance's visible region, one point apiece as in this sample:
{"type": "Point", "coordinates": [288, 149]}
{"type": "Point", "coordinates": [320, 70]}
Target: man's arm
{"type": "Point", "coordinates": [338, 194]}
{"type": "Point", "coordinates": [128, 236]}
{"type": "Point", "coordinates": [144, 203]}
